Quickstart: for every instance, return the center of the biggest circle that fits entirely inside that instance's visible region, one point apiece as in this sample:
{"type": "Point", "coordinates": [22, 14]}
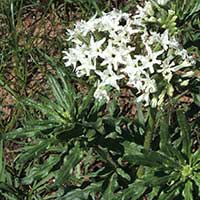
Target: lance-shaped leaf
{"type": "Point", "coordinates": [185, 131]}
{"type": "Point", "coordinates": [187, 192]}
{"type": "Point", "coordinates": [71, 160]}
{"type": "Point", "coordinates": [168, 195]}
{"type": "Point", "coordinates": [153, 181]}
{"type": "Point", "coordinates": [82, 194]}
{"type": "Point", "coordinates": [62, 97]}
{"type": "Point", "coordinates": [41, 171]}
{"type": "Point", "coordinates": [67, 87]}
{"type": "Point", "coordinates": [86, 102]}
{"type": "Point", "coordinates": [134, 191]}
{"type": "Point", "coordinates": [196, 157]}
{"type": "Point", "coordinates": [2, 163]}
{"type": "Point", "coordinates": [34, 151]}
{"type": "Point", "coordinates": [44, 108]}
{"type": "Point", "coordinates": [111, 185]}
{"type": "Point", "coordinates": [10, 190]}
{"type": "Point", "coordinates": [164, 134]}
{"type": "Point", "coordinates": [172, 191]}
{"type": "Point", "coordinates": [153, 159]}
{"type": "Point", "coordinates": [46, 126]}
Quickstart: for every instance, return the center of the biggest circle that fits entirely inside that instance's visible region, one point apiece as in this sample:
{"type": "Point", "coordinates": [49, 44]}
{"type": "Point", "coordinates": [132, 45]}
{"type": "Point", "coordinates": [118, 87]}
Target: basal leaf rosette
{"type": "Point", "coordinates": [118, 49]}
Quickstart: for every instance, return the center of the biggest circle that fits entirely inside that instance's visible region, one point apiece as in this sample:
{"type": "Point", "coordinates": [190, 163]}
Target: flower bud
{"type": "Point", "coordinates": [184, 83]}
{"type": "Point", "coordinates": [170, 90]}
{"type": "Point", "coordinates": [162, 2]}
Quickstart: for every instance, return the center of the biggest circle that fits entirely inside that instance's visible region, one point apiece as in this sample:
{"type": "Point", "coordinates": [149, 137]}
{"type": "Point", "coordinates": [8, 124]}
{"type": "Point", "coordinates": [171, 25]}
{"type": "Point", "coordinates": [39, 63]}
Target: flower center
{"type": "Point", "coordinates": [186, 171]}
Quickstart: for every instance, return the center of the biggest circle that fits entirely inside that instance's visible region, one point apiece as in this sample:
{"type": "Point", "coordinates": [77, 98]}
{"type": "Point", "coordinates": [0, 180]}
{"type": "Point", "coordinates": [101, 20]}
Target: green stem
{"type": "Point", "coordinates": [148, 137]}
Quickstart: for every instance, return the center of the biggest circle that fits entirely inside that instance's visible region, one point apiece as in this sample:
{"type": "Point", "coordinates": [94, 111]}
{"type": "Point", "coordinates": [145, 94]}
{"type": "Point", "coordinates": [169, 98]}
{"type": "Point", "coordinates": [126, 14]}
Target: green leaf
{"type": "Point", "coordinates": [67, 134]}
{"type": "Point", "coordinates": [103, 152]}
{"type": "Point", "coordinates": [82, 194]}
{"type": "Point", "coordinates": [140, 115]}
{"type": "Point", "coordinates": [10, 196]}
{"type": "Point", "coordinates": [196, 157]}
{"type": "Point", "coordinates": [40, 185]}
{"type": "Point", "coordinates": [58, 93]}
{"type": "Point", "coordinates": [70, 161]}
{"type": "Point", "coordinates": [175, 154]}
{"type": "Point", "coordinates": [111, 186]}
{"type": "Point", "coordinates": [131, 148]}
{"type": "Point", "coordinates": [153, 159]}
{"type": "Point", "coordinates": [68, 89]}
{"type": "Point", "coordinates": [44, 108]}
{"type": "Point", "coordinates": [20, 133]}
{"type": "Point", "coordinates": [196, 98]}
{"type": "Point", "coordinates": [2, 165]}
{"type": "Point", "coordinates": [134, 191]}
{"type": "Point", "coordinates": [172, 192]}
{"type": "Point", "coordinates": [185, 131]}
{"type": "Point", "coordinates": [113, 107]}
{"type": "Point", "coordinates": [34, 151]}
{"type": "Point", "coordinates": [64, 93]}
{"type": "Point", "coordinates": [195, 9]}
{"type": "Point", "coordinates": [168, 195]}
{"type": "Point", "coordinates": [164, 134]}
{"type": "Point", "coordinates": [187, 192]}
{"type": "Point", "coordinates": [41, 171]}
{"type": "Point", "coordinates": [10, 189]}
{"type": "Point", "coordinates": [152, 181]}
{"type": "Point", "coordinates": [76, 194]}
{"type": "Point", "coordinates": [28, 132]}
{"type": "Point", "coordinates": [123, 174]}
{"type": "Point", "coordinates": [86, 102]}
{"type": "Point", "coordinates": [154, 193]}
{"type": "Point", "coordinates": [196, 178]}
{"type": "Point", "coordinates": [141, 160]}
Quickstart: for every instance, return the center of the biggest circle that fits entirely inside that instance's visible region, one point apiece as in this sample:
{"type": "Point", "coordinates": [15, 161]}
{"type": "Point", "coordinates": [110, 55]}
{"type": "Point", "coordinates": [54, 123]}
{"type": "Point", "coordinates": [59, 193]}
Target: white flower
{"type": "Point", "coordinates": [84, 27]}
{"type": "Point", "coordinates": [95, 47]}
{"type": "Point", "coordinates": [154, 102]}
{"type": "Point", "coordinates": [73, 55]}
{"type": "Point", "coordinates": [120, 37]}
{"type": "Point", "coordinates": [139, 17]}
{"type": "Point", "coordinates": [101, 94]}
{"type": "Point", "coordinates": [174, 43]}
{"type": "Point", "coordinates": [108, 77]}
{"type": "Point", "coordinates": [142, 13]}
{"type": "Point", "coordinates": [111, 21]}
{"type": "Point", "coordinates": [164, 39]}
{"type": "Point", "coordinates": [70, 58]}
{"type": "Point", "coordinates": [184, 54]}
{"type": "Point", "coordinates": [149, 85]}
{"type": "Point", "coordinates": [71, 34]}
{"type": "Point", "coordinates": [107, 47]}
{"type": "Point", "coordinates": [188, 74]}
{"type": "Point", "coordinates": [112, 55]}
{"type": "Point", "coordinates": [134, 73]}
{"type": "Point", "coordinates": [167, 68]}
{"type": "Point", "coordinates": [149, 60]}
{"type": "Point", "coordinates": [148, 88]}
{"type": "Point", "coordinates": [185, 83]}
{"type": "Point", "coordinates": [162, 2]}
{"type": "Point", "coordinates": [153, 37]}
{"type": "Point", "coordinates": [184, 64]}
{"type": "Point", "coordinates": [85, 67]}
{"type": "Point", "coordinates": [144, 98]}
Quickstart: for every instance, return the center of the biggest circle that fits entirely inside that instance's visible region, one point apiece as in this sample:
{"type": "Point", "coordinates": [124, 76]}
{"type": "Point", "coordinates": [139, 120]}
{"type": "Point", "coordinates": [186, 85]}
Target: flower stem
{"type": "Point", "coordinates": [148, 137]}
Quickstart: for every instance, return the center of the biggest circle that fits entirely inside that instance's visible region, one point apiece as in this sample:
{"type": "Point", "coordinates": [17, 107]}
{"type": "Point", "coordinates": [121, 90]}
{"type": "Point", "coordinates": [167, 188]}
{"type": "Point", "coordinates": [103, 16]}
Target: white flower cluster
{"type": "Point", "coordinates": [162, 2]}
{"type": "Point", "coordinates": [118, 48]}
